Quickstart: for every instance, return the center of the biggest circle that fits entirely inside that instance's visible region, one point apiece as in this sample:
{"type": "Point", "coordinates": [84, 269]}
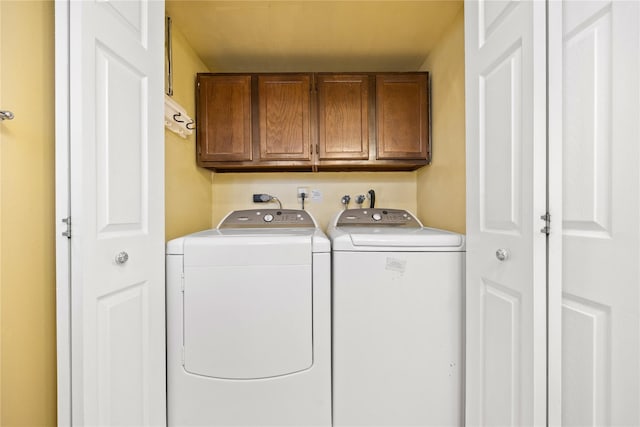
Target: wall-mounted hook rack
{"type": "Point", "coordinates": [176, 118]}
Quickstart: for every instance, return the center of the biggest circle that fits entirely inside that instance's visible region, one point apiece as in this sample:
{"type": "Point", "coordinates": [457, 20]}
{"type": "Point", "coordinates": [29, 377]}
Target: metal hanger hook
{"type": "Point", "coordinates": [6, 115]}
{"type": "Point", "coordinates": [175, 117]}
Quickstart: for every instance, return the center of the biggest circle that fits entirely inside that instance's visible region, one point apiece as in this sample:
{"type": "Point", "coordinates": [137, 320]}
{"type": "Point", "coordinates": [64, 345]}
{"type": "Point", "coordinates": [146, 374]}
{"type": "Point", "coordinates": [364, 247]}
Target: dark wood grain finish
{"type": "Point", "coordinates": [343, 116]}
{"type": "Point", "coordinates": [402, 116]}
{"type": "Point", "coordinates": [224, 118]}
{"type": "Point", "coordinates": [313, 122]}
{"type": "Point", "coordinates": [284, 117]}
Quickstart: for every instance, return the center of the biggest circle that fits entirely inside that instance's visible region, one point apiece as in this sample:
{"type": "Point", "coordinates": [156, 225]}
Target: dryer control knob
{"type": "Point", "coordinates": [376, 216]}
{"type": "Point", "coordinates": [268, 218]}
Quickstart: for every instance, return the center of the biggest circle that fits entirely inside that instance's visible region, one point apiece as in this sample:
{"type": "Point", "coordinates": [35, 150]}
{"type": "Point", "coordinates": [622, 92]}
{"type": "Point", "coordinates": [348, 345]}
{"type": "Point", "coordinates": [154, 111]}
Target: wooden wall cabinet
{"type": "Point", "coordinates": [223, 119]}
{"type": "Point", "coordinates": [402, 116]}
{"type": "Point", "coordinates": [323, 121]}
{"type": "Point", "coordinates": [284, 117]}
{"type": "Point", "coordinates": [343, 117]}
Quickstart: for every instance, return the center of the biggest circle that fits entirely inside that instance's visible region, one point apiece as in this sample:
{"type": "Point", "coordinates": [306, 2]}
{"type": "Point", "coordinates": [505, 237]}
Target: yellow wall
{"type": "Point", "coordinates": [193, 201]}
{"type": "Point", "coordinates": [435, 193]}
{"type": "Point", "coordinates": [187, 187]}
{"type": "Point", "coordinates": [233, 191]}
{"type": "Point", "coordinates": [441, 186]}
{"type": "Point", "coordinates": [27, 253]}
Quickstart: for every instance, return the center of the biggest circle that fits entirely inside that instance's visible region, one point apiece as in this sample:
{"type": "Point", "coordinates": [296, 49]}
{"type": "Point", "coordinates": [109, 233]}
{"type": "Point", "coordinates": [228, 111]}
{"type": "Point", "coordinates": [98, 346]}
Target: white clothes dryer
{"type": "Point", "coordinates": [397, 321]}
{"type": "Point", "coordinates": [248, 323]}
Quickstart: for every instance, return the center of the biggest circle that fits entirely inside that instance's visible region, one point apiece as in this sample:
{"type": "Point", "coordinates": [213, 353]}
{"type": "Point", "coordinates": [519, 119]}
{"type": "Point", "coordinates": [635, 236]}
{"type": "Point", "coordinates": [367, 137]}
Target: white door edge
{"type": "Point", "coordinates": [62, 210]}
{"type": "Point", "coordinates": [540, 206]}
{"type": "Point", "coordinates": [554, 284]}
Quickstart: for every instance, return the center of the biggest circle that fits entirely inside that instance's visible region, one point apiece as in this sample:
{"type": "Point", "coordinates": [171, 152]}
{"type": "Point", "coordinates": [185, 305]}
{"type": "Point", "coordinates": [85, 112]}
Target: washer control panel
{"type": "Point", "coordinates": [377, 217]}
{"type": "Point", "coordinates": [268, 218]}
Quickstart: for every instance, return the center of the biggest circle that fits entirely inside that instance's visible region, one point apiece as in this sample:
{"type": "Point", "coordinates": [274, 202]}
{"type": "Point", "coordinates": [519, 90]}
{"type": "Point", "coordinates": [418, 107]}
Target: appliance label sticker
{"type": "Point", "coordinates": [397, 265]}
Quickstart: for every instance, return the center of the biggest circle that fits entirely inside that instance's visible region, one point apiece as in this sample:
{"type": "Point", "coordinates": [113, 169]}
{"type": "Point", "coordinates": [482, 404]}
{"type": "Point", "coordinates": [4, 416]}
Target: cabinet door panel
{"type": "Point", "coordinates": [224, 131]}
{"type": "Point", "coordinates": [284, 111]}
{"type": "Point", "coordinates": [343, 117]}
{"type": "Point", "coordinates": [402, 116]}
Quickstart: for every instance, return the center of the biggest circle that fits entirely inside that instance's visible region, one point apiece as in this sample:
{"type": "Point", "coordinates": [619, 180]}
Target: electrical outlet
{"type": "Point", "coordinates": [301, 191]}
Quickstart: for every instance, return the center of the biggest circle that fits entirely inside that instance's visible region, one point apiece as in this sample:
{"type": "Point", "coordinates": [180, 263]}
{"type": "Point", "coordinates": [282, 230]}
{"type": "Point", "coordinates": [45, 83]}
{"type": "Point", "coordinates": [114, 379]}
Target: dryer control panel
{"type": "Point", "coordinates": [268, 218]}
{"type": "Point", "coordinates": [376, 217]}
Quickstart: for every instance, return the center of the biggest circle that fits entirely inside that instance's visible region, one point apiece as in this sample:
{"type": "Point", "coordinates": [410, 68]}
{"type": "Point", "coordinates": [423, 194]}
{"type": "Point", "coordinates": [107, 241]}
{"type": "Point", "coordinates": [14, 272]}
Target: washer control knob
{"type": "Point", "coordinates": [268, 218]}
{"type": "Point", "coordinates": [376, 216]}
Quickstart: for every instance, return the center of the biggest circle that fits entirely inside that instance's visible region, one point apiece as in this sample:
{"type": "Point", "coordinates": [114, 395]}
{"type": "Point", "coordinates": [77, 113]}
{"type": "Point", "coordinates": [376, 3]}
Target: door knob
{"type": "Point", "coordinates": [502, 254]}
{"type": "Point", "coordinates": [122, 257]}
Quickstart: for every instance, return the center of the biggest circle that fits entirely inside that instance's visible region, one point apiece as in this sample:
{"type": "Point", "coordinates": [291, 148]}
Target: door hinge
{"type": "Point", "coordinates": [547, 223]}
{"type": "Point", "coordinates": [182, 357]}
{"type": "Point", "coordinates": [67, 232]}
{"type": "Point", "coordinates": [182, 282]}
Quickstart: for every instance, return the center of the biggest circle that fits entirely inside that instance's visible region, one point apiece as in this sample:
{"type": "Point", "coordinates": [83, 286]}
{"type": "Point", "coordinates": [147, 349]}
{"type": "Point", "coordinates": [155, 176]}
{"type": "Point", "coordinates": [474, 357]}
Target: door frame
{"type": "Point", "coordinates": [62, 210]}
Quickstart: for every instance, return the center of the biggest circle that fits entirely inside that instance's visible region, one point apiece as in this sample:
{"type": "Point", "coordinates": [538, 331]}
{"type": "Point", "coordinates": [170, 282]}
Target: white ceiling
{"type": "Point", "coordinates": [281, 36]}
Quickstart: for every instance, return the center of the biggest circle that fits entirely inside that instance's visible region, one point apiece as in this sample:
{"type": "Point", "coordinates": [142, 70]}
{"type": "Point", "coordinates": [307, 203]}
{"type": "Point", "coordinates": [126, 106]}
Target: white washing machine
{"type": "Point", "coordinates": [397, 321]}
{"type": "Point", "coordinates": [249, 323]}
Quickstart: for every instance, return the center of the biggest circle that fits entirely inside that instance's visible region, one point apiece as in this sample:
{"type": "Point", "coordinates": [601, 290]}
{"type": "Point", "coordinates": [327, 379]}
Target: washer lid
{"type": "Point", "coordinates": [353, 238]}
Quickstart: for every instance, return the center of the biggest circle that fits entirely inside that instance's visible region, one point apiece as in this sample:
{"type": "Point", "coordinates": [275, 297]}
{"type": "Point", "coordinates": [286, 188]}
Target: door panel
{"type": "Point", "coordinates": [585, 361]}
{"type": "Point", "coordinates": [501, 314]}
{"type": "Point", "coordinates": [123, 322]}
{"type": "Point", "coordinates": [134, 15]}
{"type": "Point", "coordinates": [594, 110]}
{"type": "Point", "coordinates": [121, 144]}
{"type": "Point", "coordinates": [587, 127]}
{"type": "Point", "coordinates": [506, 138]}
{"type": "Point", "coordinates": [500, 144]}
{"type": "Point", "coordinates": [492, 14]}
{"type": "Point", "coordinates": [117, 165]}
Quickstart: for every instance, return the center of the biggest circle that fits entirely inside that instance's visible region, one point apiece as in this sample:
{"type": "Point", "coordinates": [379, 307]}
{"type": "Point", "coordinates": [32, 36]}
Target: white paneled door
{"type": "Point", "coordinates": [116, 163]}
{"type": "Point", "coordinates": [593, 266]}
{"type": "Point", "coordinates": [594, 143]}
{"type": "Point", "coordinates": [505, 54]}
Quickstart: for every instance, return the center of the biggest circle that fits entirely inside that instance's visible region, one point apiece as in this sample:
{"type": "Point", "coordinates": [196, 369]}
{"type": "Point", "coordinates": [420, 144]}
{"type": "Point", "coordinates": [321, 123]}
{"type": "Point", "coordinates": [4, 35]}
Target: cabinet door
{"type": "Point", "coordinates": [343, 117]}
{"type": "Point", "coordinates": [284, 111]}
{"type": "Point", "coordinates": [402, 116]}
{"type": "Point", "coordinates": [224, 118]}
